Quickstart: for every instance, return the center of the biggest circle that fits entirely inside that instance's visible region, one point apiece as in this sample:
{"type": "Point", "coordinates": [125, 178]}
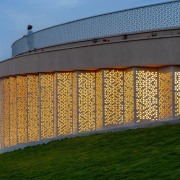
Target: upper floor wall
{"type": "Point", "coordinates": [148, 18]}
{"type": "Point", "coordinates": [151, 49]}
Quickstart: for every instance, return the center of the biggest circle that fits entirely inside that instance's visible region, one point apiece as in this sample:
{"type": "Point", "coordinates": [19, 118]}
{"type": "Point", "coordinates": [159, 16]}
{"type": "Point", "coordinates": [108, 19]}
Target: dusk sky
{"type": "Point", "coordinates": [17, 14]}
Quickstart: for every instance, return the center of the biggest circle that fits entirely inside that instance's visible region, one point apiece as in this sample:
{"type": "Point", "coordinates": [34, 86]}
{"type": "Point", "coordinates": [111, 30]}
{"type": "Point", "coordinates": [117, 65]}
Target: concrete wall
{"type": "Point", "coordinates": [139, 50]}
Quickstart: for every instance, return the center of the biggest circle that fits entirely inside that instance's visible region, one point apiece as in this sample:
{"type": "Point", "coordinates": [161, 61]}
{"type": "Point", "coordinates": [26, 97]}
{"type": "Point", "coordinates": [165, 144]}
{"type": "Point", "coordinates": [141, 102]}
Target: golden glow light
{"type": "Point", "coordinates": [46, 105]}
{"type": "Point", "coordinates": [21, 109]}
{"type": "Point", "coordinates": [128, 96]}
{"type": "Point", "coordinates": [146, 95]}
{"type": "Point", "coordinates": [64, 103]}
{"type": "Point", "coordinates": [12, 111]}
{"type": "Point", "coordinates": [6, 112]}
{"type": "Point", "coordinates": [33, 107]}
{"type": "Point", "coordinates": [165, 95]}
{"type": "Point", "coordinates": [46, 102]}
{"type": "Point", "coordinates": [1, 114]}
{"type": "Point", "coordinates": [113, 97]}
{"type": "Point", "coordinates": [99, 100]}
{"type": "Point", "coordinates": [177, 93]}
{"type": "Point", "coordinates": [86, 101]}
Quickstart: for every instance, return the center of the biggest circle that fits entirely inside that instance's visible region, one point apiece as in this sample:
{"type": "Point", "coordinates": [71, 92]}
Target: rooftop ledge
{"type": "Point", "coordinates": [150, 18]}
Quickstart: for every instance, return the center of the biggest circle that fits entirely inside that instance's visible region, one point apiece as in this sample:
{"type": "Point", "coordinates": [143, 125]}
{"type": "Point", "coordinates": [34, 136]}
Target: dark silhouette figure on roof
{"type": "Point", "coordinates": [30, 38]}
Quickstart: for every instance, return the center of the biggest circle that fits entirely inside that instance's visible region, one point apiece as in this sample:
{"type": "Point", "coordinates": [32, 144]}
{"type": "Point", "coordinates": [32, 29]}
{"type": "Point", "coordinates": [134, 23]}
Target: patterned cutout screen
{"type": "Point", "coordinates": [47, 105]}
{"type": "Point", "coordinates": [154, 17]}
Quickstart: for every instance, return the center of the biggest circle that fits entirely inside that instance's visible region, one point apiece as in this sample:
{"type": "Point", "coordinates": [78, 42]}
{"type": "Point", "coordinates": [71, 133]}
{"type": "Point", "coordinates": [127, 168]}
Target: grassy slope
{"type": "Point", "coordinates": [152, 153]}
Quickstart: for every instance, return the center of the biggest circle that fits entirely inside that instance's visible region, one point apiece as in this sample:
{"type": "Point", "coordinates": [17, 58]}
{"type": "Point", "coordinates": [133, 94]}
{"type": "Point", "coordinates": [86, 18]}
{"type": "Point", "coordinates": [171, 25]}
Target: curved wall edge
{"type": "Point", "coordinates": [46, 141]}
{"type": "Point", "coordinates": [142, 52]}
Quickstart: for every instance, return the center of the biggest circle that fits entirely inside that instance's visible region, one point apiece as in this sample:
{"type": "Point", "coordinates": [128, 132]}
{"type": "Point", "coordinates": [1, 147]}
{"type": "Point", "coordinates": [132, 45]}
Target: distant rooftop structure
{"type": "Point", "coordinates": [141, 19]}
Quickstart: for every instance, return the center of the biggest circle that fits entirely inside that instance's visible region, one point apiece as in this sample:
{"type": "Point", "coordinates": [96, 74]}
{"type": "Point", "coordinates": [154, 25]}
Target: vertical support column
{"type": "Point", "coordinates": [173, 92]}
{"type": "Point", "coordinates": [77, 90]}
{"type": "Point", "coordinates": [135, 109]}
{"type": "Point", "coordinates": [75, 101]}
{"type": "Point", "coordinates": [158, 93]}
{"type": "Point", "coordinates": [6, 119]}
{"type": "Point", "coordinates": [99, 100]}
{"type": "Point", "coordinates": [13, 111]}
{"type": "Point", "coordinates": [165, 93]}
{"type": "Point", "coordinates": [176, 91]}
{"type": "Point", "coordinates": [103, 104]}
{"type": "Point", "coordinates": [95, 100]}
{"type": "Point", "coordinates": [1, 114]}
{"type": "Point", "coordinates": [129, 112]}
{"type": "Point", "coordinates": [33, 107]}
{"type": "Point", "coordinates": [27, 108]}
{"type": "Point", "coordinates": [1, 119]}
{"type": "Point", "coordinates": [39, 81]}
{"type": "Point", "coordinates": [16, 114]}
{"type": "Point", "coordinates": [72, 102]}
{"type": "Point", "coordinates": [9, 114]}
{"type": "Point", "coordinates": [55, 105]}
{"type": "Point", "coordinates": [123, 104]}
{"type": "Point", "coordinates": [27, 114]}
{"type": "Point", "coordinates": [175, 70]}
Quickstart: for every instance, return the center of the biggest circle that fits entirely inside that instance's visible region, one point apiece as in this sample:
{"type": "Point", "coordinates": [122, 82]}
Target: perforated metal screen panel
{"type": "Point", "coordinates": [47, 105]}
{"type": "Point", "coordinates": [161, 16]}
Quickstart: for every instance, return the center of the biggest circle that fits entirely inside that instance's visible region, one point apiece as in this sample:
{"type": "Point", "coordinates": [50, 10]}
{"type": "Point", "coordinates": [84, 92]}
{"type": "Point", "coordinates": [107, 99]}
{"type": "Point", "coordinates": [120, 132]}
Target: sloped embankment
{"type": "Point", "coordinates": [152, 153]}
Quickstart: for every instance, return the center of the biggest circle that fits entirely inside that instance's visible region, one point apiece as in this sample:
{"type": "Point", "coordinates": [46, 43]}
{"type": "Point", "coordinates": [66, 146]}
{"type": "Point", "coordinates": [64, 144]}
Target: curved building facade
{"type": "Point", "coordinates": [90, 85]}
{"type": "Point", "coordinates": [47, 105]}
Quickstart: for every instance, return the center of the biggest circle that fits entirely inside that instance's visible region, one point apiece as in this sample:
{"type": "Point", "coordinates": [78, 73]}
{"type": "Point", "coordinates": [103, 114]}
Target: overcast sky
{"type": "Point", "coordinates": [15, 15]}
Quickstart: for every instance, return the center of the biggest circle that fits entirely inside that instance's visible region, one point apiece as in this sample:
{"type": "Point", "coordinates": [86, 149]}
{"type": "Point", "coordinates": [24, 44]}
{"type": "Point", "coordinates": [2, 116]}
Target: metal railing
{"type": "Point", "coordinates": [153, 17]}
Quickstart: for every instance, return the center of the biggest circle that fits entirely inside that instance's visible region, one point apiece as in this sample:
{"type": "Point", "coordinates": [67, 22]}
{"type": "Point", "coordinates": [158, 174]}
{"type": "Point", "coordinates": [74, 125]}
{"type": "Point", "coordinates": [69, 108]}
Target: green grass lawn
{"type": "Point", "coordinates": [152, 153]}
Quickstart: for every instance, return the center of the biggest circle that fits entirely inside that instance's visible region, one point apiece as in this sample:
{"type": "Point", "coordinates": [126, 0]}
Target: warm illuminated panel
{"type": "Point", "coordinates": [64, 103]}
{"type": "Point", "coordinates": [1, 114]}
{"type": "Point", "coordinates": [21, 108]}
{"type": "Point", "coordinates": [128, 96]}
{"type": "Point", "coordinates": [146, 95]}
{"type": "Point", "coordinates": [177, 93]}
{"type": "Point", "coordinates": [33, 107]}
{"type": "Point", "coordinates": [99, 101]}
{"type": "Point", "coordinates": [165, 95]}
{"type": "Point", "coordinates": [74, 97]}
{"type": "Point", "coordinates": [13, 111]}
{"type": "Point", "coordinates": [55, 123]}
{"type": "Point", "coordinates": [86, 101]}
{"type": "Point", "coordinates": [47, 105]}
{"type": "Point", "coordinates": [113, 97]}
{"type": "Point", "coordinates": [6, 112]}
